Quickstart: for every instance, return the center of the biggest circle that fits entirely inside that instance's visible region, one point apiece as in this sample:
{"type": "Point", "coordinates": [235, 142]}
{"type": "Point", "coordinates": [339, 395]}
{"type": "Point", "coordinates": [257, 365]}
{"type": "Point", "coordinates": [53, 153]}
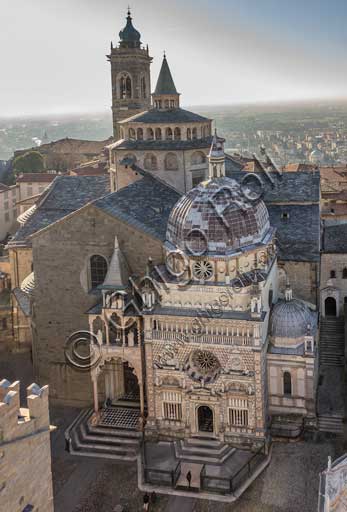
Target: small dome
{"type": "Point", "coordinates": [129, 36]}
{"type": "Point", "coordinates": [291, 319]}
{"type": "Point", "coordinates": [28, 284]}
{"type": "Point", "coordinates": [216, 218]}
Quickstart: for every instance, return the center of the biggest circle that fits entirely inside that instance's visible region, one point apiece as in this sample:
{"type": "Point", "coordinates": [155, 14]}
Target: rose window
{"type": "Point", "coordinates": [203, 269]}
{"type": "Point", "coordinates": [202, 365]}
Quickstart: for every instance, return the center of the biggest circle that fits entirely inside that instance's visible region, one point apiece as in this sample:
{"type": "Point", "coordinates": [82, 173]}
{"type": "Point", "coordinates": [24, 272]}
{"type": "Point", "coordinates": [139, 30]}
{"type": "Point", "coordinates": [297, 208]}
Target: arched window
{"type": "Point", "coordinates": [332, 274]}
{"type": "Point", "coordinates": [198, 158]}
{"type": "Point", "coordinates": [121, 133]}
{"type": "Point", "coordinates": [194, 133]}
{"type": "Point", "coordinates": [167, 104]}
{"type": "Point", "coordinates": [125, 86]}
{"type": "Point", "coordinates": [150, 134]}
{"type": "Point", "coordinates": [172, 104]}
{"type": "Point", "coordinates": [344, 273]}
{"type": "Point", "coordinates": [151, 162]}
{"type": "Point", "coordinates": [287, 383]}
{"type": "Point", "coordinates": [168, 134]}
{"type": "Point", "coordinates": [177, 134]}
{"type": "Point", "coordinates": [189, 133]}
{"type": "Point", "coordinates": [143, 87]}
{"type": "Point", "coordinates": [158, 134]}
{"type": "Point", "coordinates": [171, 162]}
{"type": "Point", "coordinates": [132, 134]}
{"type": "Point", "coordinates": [139, 134]}
{"type": "Point", "coordinates": [98, 270]}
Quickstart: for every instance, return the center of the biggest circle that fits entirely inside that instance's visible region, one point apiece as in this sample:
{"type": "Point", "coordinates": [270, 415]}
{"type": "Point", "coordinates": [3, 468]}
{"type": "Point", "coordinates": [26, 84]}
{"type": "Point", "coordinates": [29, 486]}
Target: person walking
{"type": "Point", "coordinates": [189, 478]}
{"type": "Point", "coordinates": [146, 502]}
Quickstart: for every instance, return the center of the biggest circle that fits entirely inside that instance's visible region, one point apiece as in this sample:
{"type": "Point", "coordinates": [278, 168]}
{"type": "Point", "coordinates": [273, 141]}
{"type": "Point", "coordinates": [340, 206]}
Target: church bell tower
{"type": "Point", "coordinates": [130, 76]}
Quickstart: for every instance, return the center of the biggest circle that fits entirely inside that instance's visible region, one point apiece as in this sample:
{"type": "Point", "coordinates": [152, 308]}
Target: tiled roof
{"type": "Point", "coordinates": [335, 238]}
{"type": "Point", "coordinates": [165, 145]}
{"type": "Point", "coordinates": [23, 300]}
{"type": "Point", "coordinates": [281, 188]}
{"type": "Point", "coordinates": [41, 177]}
{"type": "Point", "coordinates": [165, 83]}
{"type": "Point", "coordinates": [298, 233]}
{"type": "Point", "coordinates": [177, 115]}
{"type": "Point", "coordinates": [145, 204]}
{"type": "Point", "coordinates": [66, 195]}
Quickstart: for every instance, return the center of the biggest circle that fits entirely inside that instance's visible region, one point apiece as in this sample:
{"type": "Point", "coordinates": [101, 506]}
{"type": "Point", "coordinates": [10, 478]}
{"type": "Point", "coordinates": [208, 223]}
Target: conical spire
{"type": "Point", "coordinates": [117, 274]}
{"type": "Point", "coordinates": [165, 83]}
{"type": "Point", "coordinates": [129, 36]}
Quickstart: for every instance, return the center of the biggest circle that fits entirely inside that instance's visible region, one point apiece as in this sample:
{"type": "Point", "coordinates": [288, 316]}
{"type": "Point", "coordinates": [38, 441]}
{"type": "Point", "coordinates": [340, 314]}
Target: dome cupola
{"type": "Point", "coordinates": [129, 36]}
{"type": "Point", "coordinates": [291, 319]}
{"type": "Point", "coordinates": [215, 218]}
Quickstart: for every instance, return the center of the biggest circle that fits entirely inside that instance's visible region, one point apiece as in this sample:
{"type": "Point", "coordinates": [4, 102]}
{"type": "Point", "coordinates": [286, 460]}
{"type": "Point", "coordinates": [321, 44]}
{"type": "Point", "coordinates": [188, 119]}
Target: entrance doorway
{"type": "Point", "coordinates": [131, 385]}
{"type": "Point", "coordinates": [205, 419]}
{"type": "Point", "coordinates": [330, 306]}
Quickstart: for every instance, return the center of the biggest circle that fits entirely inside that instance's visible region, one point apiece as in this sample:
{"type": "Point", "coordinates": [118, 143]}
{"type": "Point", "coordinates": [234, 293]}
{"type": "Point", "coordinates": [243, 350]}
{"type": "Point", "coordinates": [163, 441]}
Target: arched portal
{"type": "Point", "coordinates": [330, 306]}
{"type": "Point", "coordinates": [205, 419]}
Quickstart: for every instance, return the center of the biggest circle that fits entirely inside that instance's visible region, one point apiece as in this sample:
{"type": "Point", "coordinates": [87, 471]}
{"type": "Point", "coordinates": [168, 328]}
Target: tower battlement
{"type": "Point", "coordinates": [17, 421]}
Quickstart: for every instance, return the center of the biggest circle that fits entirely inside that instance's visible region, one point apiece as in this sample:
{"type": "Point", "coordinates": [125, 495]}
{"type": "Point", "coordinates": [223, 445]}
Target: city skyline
{"type": "Point", "coordinates": [225, 53]}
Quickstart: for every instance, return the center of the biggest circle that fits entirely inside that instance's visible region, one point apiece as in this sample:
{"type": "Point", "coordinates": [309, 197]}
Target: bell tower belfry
{"type": "Point", "coordinates": [130, 76]}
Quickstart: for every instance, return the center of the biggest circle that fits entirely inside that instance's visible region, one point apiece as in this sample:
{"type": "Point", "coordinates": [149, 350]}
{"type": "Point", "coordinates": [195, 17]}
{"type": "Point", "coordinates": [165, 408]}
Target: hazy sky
{"type": "Point", "coordinates": [52, 52]}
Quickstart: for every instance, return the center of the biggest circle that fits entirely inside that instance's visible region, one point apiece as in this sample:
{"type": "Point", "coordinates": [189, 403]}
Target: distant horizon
{"type": "Point", "coordinates": [270, 103]}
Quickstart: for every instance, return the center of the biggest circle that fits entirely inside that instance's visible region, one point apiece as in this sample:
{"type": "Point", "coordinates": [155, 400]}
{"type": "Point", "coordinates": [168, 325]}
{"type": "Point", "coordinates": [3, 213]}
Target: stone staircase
{"type": "Point", "coordinates": [331, 376]}
{"type": "Point", "coordinates": [331, 342]}
{"type": "Point", "coordinates": [202, 450]}
{"type": "Point", "coordinates": [102, 441]}
{"type": "Point", "coordinates": [332, 424]}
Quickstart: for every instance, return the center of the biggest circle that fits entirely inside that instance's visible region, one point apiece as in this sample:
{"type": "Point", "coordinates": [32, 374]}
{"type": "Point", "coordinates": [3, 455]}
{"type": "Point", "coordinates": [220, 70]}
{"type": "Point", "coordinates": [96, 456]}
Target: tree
{"type": "Point", "coordinates": [31, 161]}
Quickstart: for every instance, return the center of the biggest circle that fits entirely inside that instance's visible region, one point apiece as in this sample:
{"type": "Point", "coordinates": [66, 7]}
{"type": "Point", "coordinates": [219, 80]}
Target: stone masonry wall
{"type": "Point", "coordinates": [25, 452]}
{"type": "Point", "coordinates": [62, 296]}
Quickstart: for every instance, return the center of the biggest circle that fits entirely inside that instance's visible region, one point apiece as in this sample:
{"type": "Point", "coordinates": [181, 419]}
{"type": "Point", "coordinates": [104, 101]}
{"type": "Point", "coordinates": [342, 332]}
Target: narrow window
{"type": "Point", "coordinates": [332, 274]}
{"type": "Point", "coordinates": [344, 273]}
{"type": "Point", "coordinates": [98, 270]}
{"type": "Point", "coordinates": [287, 383]}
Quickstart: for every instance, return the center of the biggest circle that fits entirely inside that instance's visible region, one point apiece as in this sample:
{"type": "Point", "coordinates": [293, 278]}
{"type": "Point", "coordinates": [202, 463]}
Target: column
{"type": "Point", "coordinates": [95, 394]}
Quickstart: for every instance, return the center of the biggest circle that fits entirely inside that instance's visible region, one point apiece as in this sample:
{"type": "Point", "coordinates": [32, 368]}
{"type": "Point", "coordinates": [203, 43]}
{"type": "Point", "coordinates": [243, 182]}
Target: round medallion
{"type": "Point", "coordinates": [203, 365]}
{"type": "Point", "coordinates": [203, 269]}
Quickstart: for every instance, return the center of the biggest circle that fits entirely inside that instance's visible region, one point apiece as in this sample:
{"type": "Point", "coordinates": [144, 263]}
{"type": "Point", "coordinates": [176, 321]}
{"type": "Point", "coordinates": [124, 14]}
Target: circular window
{"type": "Point", "coordinates": [203, 269]}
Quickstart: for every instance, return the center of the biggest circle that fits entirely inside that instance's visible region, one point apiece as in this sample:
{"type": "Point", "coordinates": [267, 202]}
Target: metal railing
{"type": "Point", "coordinates": [228, 485]}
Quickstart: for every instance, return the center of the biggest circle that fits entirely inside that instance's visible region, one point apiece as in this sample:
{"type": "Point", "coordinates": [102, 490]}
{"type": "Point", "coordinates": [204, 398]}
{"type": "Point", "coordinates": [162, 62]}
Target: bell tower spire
{"type": "Point", "coordinates": [216, 158]}
{"type": "Point", "coordinates": [165, 96]}
{"type": "Point", "coordinates": [130, 75]}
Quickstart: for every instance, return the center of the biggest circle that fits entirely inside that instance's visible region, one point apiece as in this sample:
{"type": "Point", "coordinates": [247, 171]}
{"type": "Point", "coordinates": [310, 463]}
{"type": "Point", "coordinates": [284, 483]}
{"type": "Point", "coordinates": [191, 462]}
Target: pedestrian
{"type": "Point", "coordinates": [146, 502]}
{"type": "Point", "coordinates": [153, 497]}
{"type": "Point", "coordinates": [189, 478]}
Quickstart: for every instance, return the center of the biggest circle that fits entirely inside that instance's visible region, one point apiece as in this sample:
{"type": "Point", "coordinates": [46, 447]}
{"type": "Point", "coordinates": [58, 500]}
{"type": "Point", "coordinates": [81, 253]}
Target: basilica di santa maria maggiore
{"type": "Point", "coordinates": [174, 300]}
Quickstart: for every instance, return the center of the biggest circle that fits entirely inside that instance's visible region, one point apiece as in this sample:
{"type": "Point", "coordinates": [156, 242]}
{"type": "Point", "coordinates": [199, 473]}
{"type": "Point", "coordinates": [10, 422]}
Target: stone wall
{"type": "Point", "coordinates": [61, 299]}
{"type": "Point", "coordinates": [25, 452]}
{"type": "Point", "coordinates": [303, 278]}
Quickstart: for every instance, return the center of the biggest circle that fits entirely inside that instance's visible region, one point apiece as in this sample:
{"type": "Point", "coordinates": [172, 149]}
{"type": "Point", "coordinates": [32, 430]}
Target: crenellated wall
{"type": "Point", "coordinates": [25, 445]}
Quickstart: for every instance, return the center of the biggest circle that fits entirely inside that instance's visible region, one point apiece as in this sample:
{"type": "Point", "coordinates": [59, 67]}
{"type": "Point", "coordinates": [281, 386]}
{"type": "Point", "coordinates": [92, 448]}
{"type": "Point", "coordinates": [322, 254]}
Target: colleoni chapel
{"type": "Point", "coordinates": [203, 331]}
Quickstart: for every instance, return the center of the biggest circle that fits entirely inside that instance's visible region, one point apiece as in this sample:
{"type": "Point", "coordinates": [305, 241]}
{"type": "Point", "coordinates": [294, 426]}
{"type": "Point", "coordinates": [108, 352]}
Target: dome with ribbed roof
{"type": "Point", "coordinates": [216, 218]}
{"type": "Point", "coordinates": [291, 318]}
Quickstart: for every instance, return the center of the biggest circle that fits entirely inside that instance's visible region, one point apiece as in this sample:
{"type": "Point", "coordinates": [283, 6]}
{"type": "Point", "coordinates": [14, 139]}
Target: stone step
{"type": "Point", "coordinates": [203, 455]}
{"type": "Point", "coordinates": [114, 432]}
{"type": "Point", "coordinates": [333, 424]}
{"type": "Point", "coordinates": [203, 441]}
{"type": "Point", "coordinates": [106, 439]}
